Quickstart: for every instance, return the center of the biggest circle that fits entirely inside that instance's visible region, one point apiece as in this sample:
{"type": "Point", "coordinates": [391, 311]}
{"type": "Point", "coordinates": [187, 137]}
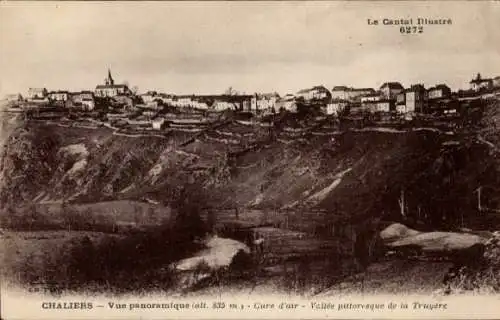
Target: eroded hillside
{"type": "Point", "coordinates": [285, 165]}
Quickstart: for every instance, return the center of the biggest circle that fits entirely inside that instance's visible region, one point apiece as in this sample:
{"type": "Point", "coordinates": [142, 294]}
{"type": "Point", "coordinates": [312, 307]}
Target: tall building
{"type": "Point", "coordinates": [110, 89]}
{"type": "Point", "coordinates": [415, 98]}
{"type": "Point", "coordinates": [109, 80]}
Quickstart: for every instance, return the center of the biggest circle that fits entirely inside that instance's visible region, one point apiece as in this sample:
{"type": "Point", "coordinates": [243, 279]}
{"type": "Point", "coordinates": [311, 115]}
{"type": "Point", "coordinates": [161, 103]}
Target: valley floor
{"type": "Point", "coordinates": [18, 249]}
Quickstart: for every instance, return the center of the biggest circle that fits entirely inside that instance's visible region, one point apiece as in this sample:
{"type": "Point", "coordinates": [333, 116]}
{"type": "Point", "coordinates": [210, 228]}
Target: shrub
{"type": "Point", "coordinates": [482, 277]}
{"type": "Point", "coordinates": [241, 262]}
{"type": "Point", "coordinates": [188, 202]}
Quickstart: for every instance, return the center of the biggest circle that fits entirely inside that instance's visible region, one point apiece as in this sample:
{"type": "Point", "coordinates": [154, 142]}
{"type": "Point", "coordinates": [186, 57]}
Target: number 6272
{"type": "Point", "coordinates": [413, 29]}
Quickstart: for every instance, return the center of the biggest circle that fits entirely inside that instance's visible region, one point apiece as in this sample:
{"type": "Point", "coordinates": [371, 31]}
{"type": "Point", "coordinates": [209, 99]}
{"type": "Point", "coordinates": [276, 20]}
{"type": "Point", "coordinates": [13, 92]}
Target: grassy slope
{"type": "Point", "coordinates": [19, 249]}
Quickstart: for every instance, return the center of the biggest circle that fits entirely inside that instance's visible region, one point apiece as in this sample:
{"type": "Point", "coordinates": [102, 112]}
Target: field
{"type": "Point", "coordinates": [110, 216]}
{"type": "Point", "coordinates": [23, 252]}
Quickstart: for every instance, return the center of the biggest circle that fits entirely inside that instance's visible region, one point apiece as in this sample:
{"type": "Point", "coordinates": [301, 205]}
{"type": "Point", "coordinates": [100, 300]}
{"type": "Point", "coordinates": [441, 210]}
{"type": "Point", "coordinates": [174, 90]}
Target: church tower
{"type": "Point", "coordinates": [109, 80]}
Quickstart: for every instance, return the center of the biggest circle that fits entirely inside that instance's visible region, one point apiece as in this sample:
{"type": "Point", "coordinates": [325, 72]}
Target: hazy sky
{"type": "Point", "coordinates": [194, 47]}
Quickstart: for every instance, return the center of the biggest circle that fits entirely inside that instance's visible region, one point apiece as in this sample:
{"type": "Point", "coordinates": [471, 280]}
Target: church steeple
{"type": "Point", "coordinates": [109, 80]}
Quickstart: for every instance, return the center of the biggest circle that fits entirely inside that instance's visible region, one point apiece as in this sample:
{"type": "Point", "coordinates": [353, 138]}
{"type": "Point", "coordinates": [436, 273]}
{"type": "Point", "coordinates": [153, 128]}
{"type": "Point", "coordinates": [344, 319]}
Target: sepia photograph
{"type": "Point", "coordinates": [207, 159]}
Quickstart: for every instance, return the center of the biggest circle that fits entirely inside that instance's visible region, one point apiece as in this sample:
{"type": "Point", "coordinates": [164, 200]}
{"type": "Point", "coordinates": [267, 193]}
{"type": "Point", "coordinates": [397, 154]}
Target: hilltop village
{"type": "Point", "coordinates": [328, 184]}
{"type": "Point", "coordinates": [121, 108]}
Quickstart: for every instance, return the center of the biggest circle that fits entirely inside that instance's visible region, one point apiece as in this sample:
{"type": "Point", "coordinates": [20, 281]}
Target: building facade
{"type": "Point", "coordinates": [441, 91]}
{"type": "Point", "coordinates": [262, 102]}
{"type": "Point", "coordinates": [149, 96]}
{"type": "Point", "coordinates": [83, 99]}
{"type": "Point", "coordinates": [224, 105]}
{"type": "Point", "coordinates": [37, 94]}
{"type": "Point", "coordinates": [415, 99]}
{"type": "Point", "coordinates": [350, 94]}
{"type": "Point", "coordinates": [110, 89]}
{"type": "Point", "coordinates": [315, 94]}
{"type": "Point", "coordinates": [59, 95]}
{"type": "Point", "coordinates": [390, 90]}
{"type": "Point", "coordinates": [401, 102]}
{"type": "Point", "coordinates": [496, 82]}
{"type": "Point", "coordinates": [383, 106]}
{"type": "Point", "coordinates": [479, 83]}
{"type": "Point", "coordinates": [370, 98]}
{"type": "Point", "coordinates": [341, 93]}
{"type": "Point", "coordinates": [183, 101]}
{"type": "Point", "coordinates": [336, 107]}
{"type": "Point", "coordinates": [158, 123]}
{"type": "Point", "coordinates": [287, 103]}
{"type": "Point", "coordinates": [200, 105]}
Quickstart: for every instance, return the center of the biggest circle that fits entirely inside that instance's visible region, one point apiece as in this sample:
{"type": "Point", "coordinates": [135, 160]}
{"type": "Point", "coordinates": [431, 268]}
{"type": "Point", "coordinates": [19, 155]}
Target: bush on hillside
{"type": "Point", "coordinates": [242, 262]}
{"type": "Point", "coordinates": [483, 277]}
{"type": "Point", "coordinates": [189, 201]}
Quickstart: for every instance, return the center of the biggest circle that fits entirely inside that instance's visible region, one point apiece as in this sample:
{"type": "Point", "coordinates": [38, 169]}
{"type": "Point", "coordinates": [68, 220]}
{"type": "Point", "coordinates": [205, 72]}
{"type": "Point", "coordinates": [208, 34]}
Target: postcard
{"type": "Point", "coordinates": [250, 160]}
